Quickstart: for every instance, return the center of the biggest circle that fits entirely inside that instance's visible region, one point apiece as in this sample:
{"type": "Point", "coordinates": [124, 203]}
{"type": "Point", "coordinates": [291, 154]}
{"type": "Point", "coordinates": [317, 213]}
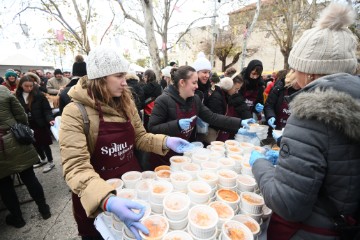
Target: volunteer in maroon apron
{"type": "Point", "coordinates": [284, 113]}
{"type": "Point", "coordinates": [113, 156]}
{"type": "Point", "coordinates": [250, 99]}
{"type": "Point", "coordinates": [230, 112]}
{"type": "Point", "coordinates": [157, 160]}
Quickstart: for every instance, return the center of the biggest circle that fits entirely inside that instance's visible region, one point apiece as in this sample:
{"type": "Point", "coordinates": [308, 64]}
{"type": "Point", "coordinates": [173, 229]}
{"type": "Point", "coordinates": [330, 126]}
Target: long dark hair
{"type": "Point", "coordinates": [20, 90]}
{"type": "Point", "coordinates": [151, 76]}
{"type": "Point", "coordinates": [181, 73]}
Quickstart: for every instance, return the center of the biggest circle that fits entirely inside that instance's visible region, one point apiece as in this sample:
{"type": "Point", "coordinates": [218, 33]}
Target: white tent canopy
{"type": "Point", "coordinates": [136, 68]}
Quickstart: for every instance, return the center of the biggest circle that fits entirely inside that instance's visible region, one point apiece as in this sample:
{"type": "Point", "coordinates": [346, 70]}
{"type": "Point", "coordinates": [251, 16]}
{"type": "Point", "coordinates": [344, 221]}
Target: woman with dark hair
{"type": "Point", "coordinates": [40, 117]}
{"type": "Point", "coordinates": [107, 151]}
{"type": "Point", "coordinates": [253, 88]}
{"type": "Point", "coordinates": [175, 111]}
{"type": "Point", "coordinates": [152, 90]}
{"type": "Point", "coordinates": [17, 158]}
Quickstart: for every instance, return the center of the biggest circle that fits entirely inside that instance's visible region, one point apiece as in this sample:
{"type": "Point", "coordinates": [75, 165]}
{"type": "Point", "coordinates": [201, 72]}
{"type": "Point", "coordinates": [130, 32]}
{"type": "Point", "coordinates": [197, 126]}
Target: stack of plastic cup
{"type": "Point", "coordinates": [159, 189]}
{"type": "Point", "coordinates": [203, 222]}
{"type": "Point", "coordinates": [176, 208]}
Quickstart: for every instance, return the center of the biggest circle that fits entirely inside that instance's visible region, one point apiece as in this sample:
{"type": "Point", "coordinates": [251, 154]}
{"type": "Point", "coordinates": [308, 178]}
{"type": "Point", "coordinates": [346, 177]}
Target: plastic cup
{"type": "Point", "coordinates": [163, 175]}
{"type": "Point", "coordinates": [224, 211]}
{"type": "Point", "coordinates": [229, 197]}
{"type": "Point", "coordinates": [226, 163]}
{"type": "Point", "coordinates": [203, 221]}
{"type": "Point", "coordinates": [126, 193]}
{"type": "Point", "coordinates": [191, 168]}
{"type": "Point", "coordinates": [235, 229]}
{"type": "Point", "coordinates": [180, 181]}
{"type": "Point", "coordinates": [148, 175]}
{"type": "Point", "coordinates": [142, 189]}
{"type": "Point", "coordinates": [162, 167]}
{"type": "Point", "coordinates": [199, 158]}
{"type": "Point", "coordinates": [131, 178]}
{"type": "Point", "coordinates": [210, 178]}
{"type": "Point", "coordinates": [251, 202]}
{"type": "Point", "coordinates": [245, 183]}
{"type": "Point", "coordinates": [176, 206]}
{"type": "Point", "coordinates": [249, 222]}
{"type": "Point", "coordinates": [199, 192]}
{"type": "Point", "coordinates": [117, 183]}
{"type": "Point", "coordinates": [158, 191]}
{"type": "Point", "coordinates": [177, 161]}
{"type": "Point", "coordinates": [178, 235]}
{"type": "Point", "coordinates": [227, 178]}
{"type": "Point", "coordinates": [210, 166]}
{"type": "Point", "coordinates": [157, 225]}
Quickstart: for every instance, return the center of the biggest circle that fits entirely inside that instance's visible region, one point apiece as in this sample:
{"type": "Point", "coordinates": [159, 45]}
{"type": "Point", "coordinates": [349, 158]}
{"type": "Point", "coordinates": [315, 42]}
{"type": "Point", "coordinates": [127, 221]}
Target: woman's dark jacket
{"type": "Point", "coordinates": [137, 92]}
{"type": "Point", "coordinates": [152, 90]}
{"type": "Point", "coordinates": [164, 116]}
{"type": "Point", "coordinates": [64, 99]}
{"type": "Point", "coordinates": [276, 98]}
{"type": "Point", "coordinates": [41, 113]}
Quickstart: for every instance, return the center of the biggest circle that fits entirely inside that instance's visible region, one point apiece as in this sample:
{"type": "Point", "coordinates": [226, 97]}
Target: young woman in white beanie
{"type": "Point", "coordinates": [315, 186]}
{"type": "Point", "coordinates": [107, 151]}
{"type": "Point", "coordinates": [203, 68]}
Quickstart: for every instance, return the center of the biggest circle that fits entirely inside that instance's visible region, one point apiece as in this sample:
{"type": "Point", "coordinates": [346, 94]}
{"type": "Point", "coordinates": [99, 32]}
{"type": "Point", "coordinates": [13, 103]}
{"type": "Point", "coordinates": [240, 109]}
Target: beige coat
{"type": "Point", "coordinates": [78, 171]}
{"type": "Point", "coordinates": [53, 85]}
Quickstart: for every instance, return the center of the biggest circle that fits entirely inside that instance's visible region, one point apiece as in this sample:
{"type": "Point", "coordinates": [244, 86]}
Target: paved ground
{"type": "Point", "coordinates": [61, 225]}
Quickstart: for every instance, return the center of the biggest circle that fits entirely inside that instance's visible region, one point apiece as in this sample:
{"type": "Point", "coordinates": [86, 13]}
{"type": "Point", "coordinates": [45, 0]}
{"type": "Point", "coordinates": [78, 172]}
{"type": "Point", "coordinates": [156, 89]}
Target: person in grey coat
{"type": "Point", "coordinates": [319, 159]}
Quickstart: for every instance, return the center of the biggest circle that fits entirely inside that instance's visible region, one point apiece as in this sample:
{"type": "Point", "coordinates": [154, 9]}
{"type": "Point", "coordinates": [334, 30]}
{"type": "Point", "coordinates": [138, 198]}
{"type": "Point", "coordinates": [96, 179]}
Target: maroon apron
{"type": "Point", "coordinates": [230, 112]}
{"type": "Point", "coordinates": [283, 114]}
{"type": "Point", "coordinates": [157, 160]}
{"type": "Point", "coordinates": [113, 156]}
{"type": "Point", "coordinates": [250, 100]}
{"type": "Point", "coordinates": [280, 229]}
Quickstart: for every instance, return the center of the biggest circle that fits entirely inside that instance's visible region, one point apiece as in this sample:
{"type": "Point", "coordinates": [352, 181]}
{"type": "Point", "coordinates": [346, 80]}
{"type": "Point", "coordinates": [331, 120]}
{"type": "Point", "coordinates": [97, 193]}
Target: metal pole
{"type": "Point", "coordinates": [213, 21]}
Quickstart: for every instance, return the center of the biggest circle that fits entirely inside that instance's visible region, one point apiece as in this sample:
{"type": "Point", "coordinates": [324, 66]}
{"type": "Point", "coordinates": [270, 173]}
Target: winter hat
{"type": "Point", "coordinates": [58, 71]}
{"type": "Point", "coordinates": [226, 83]}
{"type": "Point", "coordinates": [201, 63]}
{"type": "Point", "coordinates": [166, 71]}
{"type": "Point", "coordinates": [33, 76]}
{"type": "Point", "coordinates": [105, 61]}
{"type": "Point", "coordinates": [330, 46]}
{"type": "Point", "coordinates": [131, 75]}
{"type": "Point", "coordinates": [10, 73]}
{"type": "Point", "coordinates": [79, 67]}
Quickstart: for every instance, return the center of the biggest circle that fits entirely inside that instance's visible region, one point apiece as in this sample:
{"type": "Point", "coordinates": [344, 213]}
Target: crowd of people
{"type": "Point", "coordinates": [316, 104]}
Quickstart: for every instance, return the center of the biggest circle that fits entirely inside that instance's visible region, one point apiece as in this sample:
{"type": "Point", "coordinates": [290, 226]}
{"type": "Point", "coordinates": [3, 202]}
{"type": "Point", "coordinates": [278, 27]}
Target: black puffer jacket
{"type": "Point", "coordinates": [275, 99]}
{"type": "Point", "coordinates": [164, 118]}
{"type": "Point", "coordinates": [41, 113]}
{"type": "Point", "coordinates": [152, 90]}
{"type": "Point", "coordinates": [320, 149]}
{"type": "Point", "coordinates": [64, 99]}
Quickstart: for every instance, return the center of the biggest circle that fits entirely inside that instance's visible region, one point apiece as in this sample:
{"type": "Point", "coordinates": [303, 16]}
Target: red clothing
{"type": "Point", "coordinates": [10, 87]}
{"type": "Point", "coordinates": [269, 87]}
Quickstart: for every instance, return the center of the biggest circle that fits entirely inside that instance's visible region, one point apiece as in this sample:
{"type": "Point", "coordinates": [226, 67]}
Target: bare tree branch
{"type": "Point", "coordinates": [128, 16]}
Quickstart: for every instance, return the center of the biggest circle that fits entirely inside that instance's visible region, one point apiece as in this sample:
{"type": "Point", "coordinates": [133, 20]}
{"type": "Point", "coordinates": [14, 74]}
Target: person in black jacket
{"type": "Point", "coordinates": [137, 91]}
{"type": "Point", "coordinates": [226, 100]}
{"type": "Point", "coordinates": [276, 108]}
{"type": "Point", "coordinates": [152, 90]}
{"type": "Point", "coordinates": [203, 69]}
{"type": "Point", "coordinates": [253, 88]}
{"type": "Point", "coordinates": [175, 111]}
{"type": "Point", "coordinates": [40, 118]}
{"type": "Point", "coordinates": [78, 71]}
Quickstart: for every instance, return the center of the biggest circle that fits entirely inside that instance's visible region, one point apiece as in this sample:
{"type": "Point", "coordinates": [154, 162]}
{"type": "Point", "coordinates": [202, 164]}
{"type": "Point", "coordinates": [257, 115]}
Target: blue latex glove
{"type": "Point", "coordinates": [121, 207]}
{"type": "Point", "coordinates": [244, 131]}
{"type": "Point", "coordinates": [200, 122]}
{"type": "Point", "coordinates": [259, 107]}
{"type": "Point", "coordinates": [272, 156]}
{"type": "Point", "coordinates": [255, 155]}
{"type": "Point", "coordinates": [178, 145]}
{"type": "Point", "coordinates": [245, 123]}
{"type": "Point", "coordinates": [185, 123]}
{"type": "Point", "coordinates": [271, 122]}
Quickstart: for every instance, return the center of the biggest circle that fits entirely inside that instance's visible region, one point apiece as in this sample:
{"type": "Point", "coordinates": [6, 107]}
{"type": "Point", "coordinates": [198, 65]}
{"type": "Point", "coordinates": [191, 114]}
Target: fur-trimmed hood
{"type": "Point", "coordinates": [333, 100]}
{"type": "Point", "coordinates": [131, 76]}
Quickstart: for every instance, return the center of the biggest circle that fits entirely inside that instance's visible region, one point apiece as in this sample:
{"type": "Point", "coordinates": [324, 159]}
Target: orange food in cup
{"type": "Point", "coordinates": [158, 189]}
{"type": "Point", "coordinates": [235, 234]}
{"type": "Point", "coordinates": [202, 219]}
{"type": "Point", "coordinates": [162, 167]}
{"type": "Point", "coordinates": [156, 228]}
{"type": "Point", "coordinates": [252, 226]}
{"type": "Point", "coordinates": [178, 160]}
{"type": "Point", "coordinates": [163, 174]}
{"type": "Point", "coordinates": [228, 195]}
{"type": "Point", "coordinates": [222, 210]}
{"type": "Point", "coordinates": [251, 199]}
{"type": "Point", "coordinates": [226, 175]}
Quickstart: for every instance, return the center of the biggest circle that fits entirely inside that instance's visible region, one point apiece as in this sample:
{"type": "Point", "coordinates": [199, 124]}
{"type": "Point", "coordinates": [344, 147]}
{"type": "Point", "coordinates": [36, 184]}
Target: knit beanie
{"type": "Point", "coordinates": [226, 83]}
{"type": "Point", "coordinates": [201, 63]}
{"type": "Point", "coordinates": [166, 71]}
{"type": "Point", "coordinates": [10, 73]}
{"type": "Point", "coordinates": [104, 61]}
{"type": "Point", "coordinates": [79, 67]}
{"type": "Point", "coordinates": [57, 71]}
{"type": "Point", "coordinates": [330, 46]}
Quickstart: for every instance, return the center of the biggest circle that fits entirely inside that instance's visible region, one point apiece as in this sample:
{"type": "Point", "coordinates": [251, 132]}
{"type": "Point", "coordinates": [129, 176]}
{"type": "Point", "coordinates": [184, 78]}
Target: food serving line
{"type": "Point", "coordinates": [208, 193]}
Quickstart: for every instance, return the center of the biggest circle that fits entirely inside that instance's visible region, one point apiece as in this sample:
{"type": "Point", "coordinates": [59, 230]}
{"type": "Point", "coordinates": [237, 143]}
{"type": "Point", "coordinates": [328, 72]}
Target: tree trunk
{"type": "Point", "coordinates": [223, 65]}
{"type": "Point", "coordinates": [286, 53]}
{"type": "Point", "coordinates": [150, 36]}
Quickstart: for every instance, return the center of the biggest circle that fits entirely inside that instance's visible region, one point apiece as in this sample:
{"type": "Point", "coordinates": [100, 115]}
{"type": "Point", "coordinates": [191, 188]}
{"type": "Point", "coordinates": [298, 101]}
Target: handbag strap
{"type": "Point", "coordinates": [85, 118]}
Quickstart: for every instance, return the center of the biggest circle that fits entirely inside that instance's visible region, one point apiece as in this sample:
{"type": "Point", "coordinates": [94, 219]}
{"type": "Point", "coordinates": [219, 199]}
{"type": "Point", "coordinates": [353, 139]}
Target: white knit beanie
{"type": "Point", "coordinates": [104, 61]}
{"type": "Point", "coordinates": [330, 46]}
{"type": "Point", "coordinates": [201, 63]}
{"type": "Point", "coordinates": [226, 83]}
{"type": "Point", "coordinates": [166, 71]}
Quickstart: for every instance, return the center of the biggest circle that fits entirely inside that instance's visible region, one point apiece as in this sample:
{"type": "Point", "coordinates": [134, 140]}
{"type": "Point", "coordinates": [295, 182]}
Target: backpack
{"type": "Point", "coordinates": [85, 118]}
